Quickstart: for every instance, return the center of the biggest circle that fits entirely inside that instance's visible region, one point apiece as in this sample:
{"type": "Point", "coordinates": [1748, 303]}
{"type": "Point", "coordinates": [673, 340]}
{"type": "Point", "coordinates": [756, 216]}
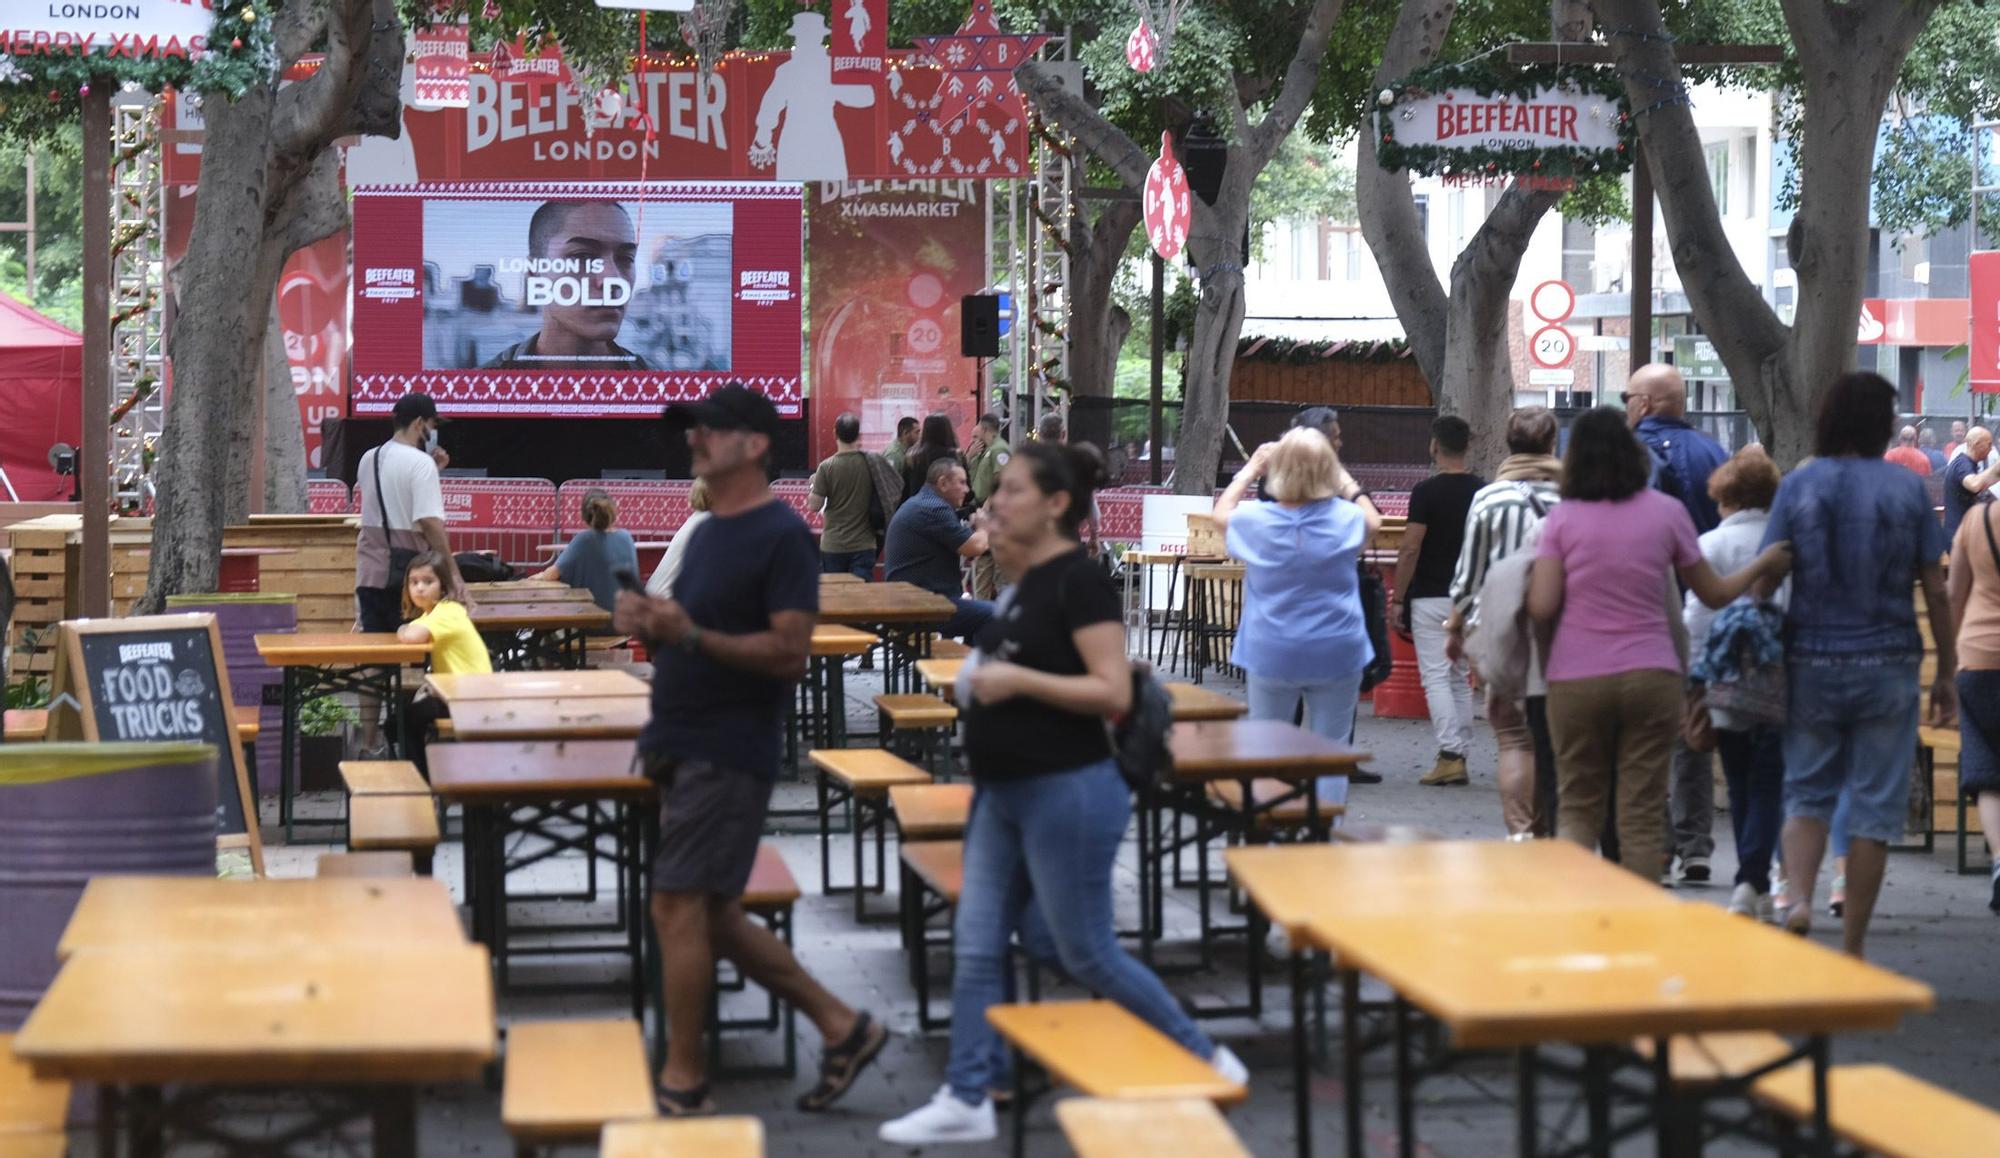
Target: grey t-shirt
{"type": "Point", "coordinates": [594, 558]}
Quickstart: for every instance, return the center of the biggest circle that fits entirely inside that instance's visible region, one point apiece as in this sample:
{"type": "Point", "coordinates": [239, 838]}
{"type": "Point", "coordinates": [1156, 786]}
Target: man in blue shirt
{"type": "Point", "coordinates": [927, 539]}
{"type": "Point", "coordinates": [1968, 478]}
{"type": "Point", "coordinates": [1683, 458]}
{"type": "Point", "coordinates": [1656, 406]}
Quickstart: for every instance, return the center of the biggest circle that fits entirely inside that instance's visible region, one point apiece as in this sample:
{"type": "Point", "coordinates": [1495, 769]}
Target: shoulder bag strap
{"type": "Point", "coordinates": [382, 504]}
{"type": "Point", "coordinates": [1986, 517]}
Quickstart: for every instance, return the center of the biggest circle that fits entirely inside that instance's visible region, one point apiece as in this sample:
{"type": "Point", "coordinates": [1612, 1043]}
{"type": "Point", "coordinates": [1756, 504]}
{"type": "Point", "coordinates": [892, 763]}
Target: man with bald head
{"type": "Point", "coordinates": [1968, 478]}
{"type": "Point", "coordinates": [1905, 453]}
{"type": "Point", "coordinates": [1683, 457]}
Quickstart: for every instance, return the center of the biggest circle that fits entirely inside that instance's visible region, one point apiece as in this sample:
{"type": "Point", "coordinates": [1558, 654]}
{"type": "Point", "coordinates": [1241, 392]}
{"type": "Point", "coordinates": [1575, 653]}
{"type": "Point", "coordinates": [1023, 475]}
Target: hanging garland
{"type": "Point", "coordinates": [239, 54]}
{"type": "Point", "coordinates": [1600, 95]}
{"type": "Point", "coordinates": [1294, 352]}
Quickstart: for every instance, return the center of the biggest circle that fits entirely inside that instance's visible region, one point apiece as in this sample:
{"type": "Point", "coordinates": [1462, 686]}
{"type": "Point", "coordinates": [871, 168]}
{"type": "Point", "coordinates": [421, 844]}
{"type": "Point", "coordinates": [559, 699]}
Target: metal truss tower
{"type": "Point", "coordinates": [138, 330]}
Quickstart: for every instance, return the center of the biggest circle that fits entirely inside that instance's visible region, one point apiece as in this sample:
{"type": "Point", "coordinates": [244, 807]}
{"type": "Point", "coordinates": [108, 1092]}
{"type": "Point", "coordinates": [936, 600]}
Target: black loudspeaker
{"type": "Point", "coordinates": [979, 325]}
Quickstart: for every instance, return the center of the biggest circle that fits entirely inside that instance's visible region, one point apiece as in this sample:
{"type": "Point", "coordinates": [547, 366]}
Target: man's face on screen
{"type": "Point", "coordinates": [599, 237]}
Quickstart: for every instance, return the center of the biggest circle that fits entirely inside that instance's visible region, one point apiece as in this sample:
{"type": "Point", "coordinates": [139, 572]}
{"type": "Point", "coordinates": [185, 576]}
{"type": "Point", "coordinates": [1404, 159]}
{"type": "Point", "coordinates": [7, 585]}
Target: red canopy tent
{"type": "Point", "coordinates": [41, 400]}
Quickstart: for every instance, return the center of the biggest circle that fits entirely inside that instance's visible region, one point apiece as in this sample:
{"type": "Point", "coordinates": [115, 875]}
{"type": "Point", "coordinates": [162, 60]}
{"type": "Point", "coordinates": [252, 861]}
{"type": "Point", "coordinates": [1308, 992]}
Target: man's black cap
{"type": "Point", "coordinates": [411, 407]}
{"type": "Point", "coordinates": [731, 407]}
{"type": "Point", "coordinates": [1315, 418]}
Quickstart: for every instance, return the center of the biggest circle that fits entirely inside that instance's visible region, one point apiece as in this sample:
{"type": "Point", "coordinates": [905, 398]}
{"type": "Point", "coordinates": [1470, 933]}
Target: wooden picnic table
{"type": "Point", "coordinates": [839, 577]}
{"type": "Point", "coordinates": [821, 706]}
{"type": "Point", "coordinates": [558, 548]}
{"type": "Point", "coordinates": [522, 798]}
{"type": "Point", "coordinates": [904, 615]}
{"type": "Point", "coordinates": [577, 718]}
{"type": "Point", "coordinates": [144, 913]}
{"type": "Point", "coordinates": [1554, 945]}
{"type": "Point", "coordinates": [382, 1019]}
{"type": "Point", "coordinates": [526, 636]}
{"type": "Point", "coordinates": [1191, 704]}
{"type": "Point", "coordinates": [520, 685]}
{"type": "Point", "coordinates": [1246, 754]}
{"type": "Point", "coordinates": [333, 663]}
{"type": "Point", "coordinates": [526, 591]}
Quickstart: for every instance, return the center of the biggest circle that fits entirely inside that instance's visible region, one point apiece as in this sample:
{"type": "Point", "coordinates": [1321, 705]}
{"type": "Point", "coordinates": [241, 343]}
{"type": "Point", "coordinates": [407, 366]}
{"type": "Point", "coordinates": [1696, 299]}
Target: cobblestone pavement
{"type": "Point", "coordinates": [1932, 925]}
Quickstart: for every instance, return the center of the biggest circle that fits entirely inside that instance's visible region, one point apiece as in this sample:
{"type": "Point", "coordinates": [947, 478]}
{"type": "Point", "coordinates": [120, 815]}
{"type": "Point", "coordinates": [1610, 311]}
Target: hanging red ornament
{"type": "Point", "coordinates": [83, 90]}
{"type": "Point", "coordinates": [236, 42]}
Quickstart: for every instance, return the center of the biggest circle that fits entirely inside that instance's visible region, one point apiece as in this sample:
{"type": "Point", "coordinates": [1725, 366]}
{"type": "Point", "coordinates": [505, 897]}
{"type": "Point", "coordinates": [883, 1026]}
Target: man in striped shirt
{"type": "Point", "coordinates": [1503, 514]}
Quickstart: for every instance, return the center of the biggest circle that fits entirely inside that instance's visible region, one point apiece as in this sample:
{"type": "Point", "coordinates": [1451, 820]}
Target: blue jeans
{"type": "Point", "coordinates": [1330, 707]}
{"type": "Point", "coordinates": [1045, 846]}
{"type": "Point", "coordinates": [1851, 733]}
{"type": "Point", "coordinates": [860, 564]}
{"type": "Point", "coordinates": [971, 615]}
{"type": "Point", "coordinates": [1753, 762]}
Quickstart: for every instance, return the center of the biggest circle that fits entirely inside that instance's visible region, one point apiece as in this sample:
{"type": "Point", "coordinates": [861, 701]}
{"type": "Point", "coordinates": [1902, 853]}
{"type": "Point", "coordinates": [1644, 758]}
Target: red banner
{"type": "Point", "coordinates": [575, 300]}
{"type": "Point", "coordinates": [890, 262]}
{"type": "Point", "coordinates": [1985, 343]}
{"type": "Point", "coordinates": [756, 118]}
{"type": "Point", "coordinates": [312, 308]}
{"type": "Point", "coordinates": [442, 56]}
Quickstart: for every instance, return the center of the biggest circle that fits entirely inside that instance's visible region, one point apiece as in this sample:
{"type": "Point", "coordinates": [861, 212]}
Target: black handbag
{"type": "Point", "coordinates": [1375, 613]}
{"type": "Point", "coordinates": [400, 558]}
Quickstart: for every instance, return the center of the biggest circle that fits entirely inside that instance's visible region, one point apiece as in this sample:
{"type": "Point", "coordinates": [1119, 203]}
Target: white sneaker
{"type": "Point", "coordinates": [1743, 902]}
{"type": "Point", "coordinates": [943, 1119]}
{"type": "Point", "coordinates": [1230, 1066]}
{"type": "Point", "coordinates": [1767, 908]}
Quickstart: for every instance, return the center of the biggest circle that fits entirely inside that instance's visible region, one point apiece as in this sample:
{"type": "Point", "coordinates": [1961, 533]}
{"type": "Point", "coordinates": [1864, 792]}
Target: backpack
{"type": "Point", "coordinates": [1501, 645]}
{"type": "Point", "coordinates": [888, 492]}
{"type": "Point", "coordinates": [474, 567]}
{"type": "Point", "coordinates": [1139, 737]}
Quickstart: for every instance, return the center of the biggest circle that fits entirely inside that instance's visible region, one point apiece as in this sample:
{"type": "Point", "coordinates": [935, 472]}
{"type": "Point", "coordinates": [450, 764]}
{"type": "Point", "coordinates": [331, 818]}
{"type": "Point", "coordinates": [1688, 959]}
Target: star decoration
{"type": "Point", "coordinates": [979, 62]}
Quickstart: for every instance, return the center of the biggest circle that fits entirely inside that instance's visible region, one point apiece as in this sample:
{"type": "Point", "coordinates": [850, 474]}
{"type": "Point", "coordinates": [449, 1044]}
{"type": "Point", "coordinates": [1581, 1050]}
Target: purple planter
{"type": "Point", "coordinates": [69, 812]}
{"type": "Point", "coordinates": [241, 619]}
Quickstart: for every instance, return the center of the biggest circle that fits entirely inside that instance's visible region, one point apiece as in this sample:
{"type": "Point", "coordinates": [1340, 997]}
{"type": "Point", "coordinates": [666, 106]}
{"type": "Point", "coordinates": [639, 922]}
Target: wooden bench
{"type": "Point", "coordinates": [386, 863]}
{"type": "Point", "coordinates": [566, 1080]}
{"type": "Point", "coordinates": [933, 877]}
{"type": "Point", "coordinates": [732, 1137]}
{"type": "Point", "coordinates": [29, 1107]}
{"type": "Point", "coordinates": [1290, 815]}
{"type": "Point", "coordinates": [1885, 1111]}
{"type": "Point", "coordinates": [394, 824]}
{"type": "Point", "coordinates": [925, 722]}
{"type": "Point", "coordinates": [770, 895]}
{"type": "Point", "coordinates": [1934, 745]}
{"type": "Point", "coordinates": [33, 1146]}
{"type": "Point", "coordinates": [942, 648]}
{"type": "Point", "coordinates": [1706, 1058]}
{"type": "Point", "coordinates": [931, 811]}
{"type": "Point", "coordinates": [858, 779]}
{"type": "Point", "coordinates": [1383, 834]}
{"type": "Point", "coordinates": [383, 778]}
{"type": "Point", "coordinates": [1184, 1127]}
{"type": "Point", "coordinates": [1104, 1051]}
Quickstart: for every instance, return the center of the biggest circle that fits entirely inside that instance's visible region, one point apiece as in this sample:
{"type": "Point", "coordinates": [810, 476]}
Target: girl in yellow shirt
{"type": "Point", "coordinates": [455, 646]}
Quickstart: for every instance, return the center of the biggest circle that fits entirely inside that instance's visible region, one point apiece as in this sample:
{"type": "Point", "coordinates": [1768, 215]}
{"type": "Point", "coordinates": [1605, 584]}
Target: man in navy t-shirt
{"type": "Point", "coordinates": [728, 649]}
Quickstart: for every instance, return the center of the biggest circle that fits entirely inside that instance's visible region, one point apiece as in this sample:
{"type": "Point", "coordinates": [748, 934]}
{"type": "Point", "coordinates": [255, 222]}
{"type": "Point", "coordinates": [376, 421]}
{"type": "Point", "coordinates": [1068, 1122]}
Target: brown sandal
{"type": "Point", "coordinates": [692, 1103]}
{"type": "Point", "coordinates": [843, 1063]}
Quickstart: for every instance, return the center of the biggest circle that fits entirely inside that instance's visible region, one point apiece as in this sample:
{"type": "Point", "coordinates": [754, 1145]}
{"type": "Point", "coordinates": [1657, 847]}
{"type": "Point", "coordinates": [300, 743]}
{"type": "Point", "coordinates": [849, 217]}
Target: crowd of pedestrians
{"type": "Point", "coordinates": [1626, 615]}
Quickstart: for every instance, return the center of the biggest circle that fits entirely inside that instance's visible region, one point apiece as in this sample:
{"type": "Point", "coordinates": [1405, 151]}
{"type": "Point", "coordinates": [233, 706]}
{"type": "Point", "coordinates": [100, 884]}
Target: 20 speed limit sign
{"type": "Point", "coordinates": [1551, 347]}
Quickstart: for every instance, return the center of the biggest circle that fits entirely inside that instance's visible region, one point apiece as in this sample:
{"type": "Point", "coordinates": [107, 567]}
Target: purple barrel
{"type": "Point", "coordinates": [70, 812]}
{"type": "Point", "coordinates": [241, 619]}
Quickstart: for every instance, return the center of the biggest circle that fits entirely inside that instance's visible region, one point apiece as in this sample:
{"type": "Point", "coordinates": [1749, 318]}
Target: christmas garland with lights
{"type": "Point", "coordinates": [1524, 83]}
{"type": "Point", "coordinates": [1295, 352]}
{"type": "Point", "coordinates": [239, 54]}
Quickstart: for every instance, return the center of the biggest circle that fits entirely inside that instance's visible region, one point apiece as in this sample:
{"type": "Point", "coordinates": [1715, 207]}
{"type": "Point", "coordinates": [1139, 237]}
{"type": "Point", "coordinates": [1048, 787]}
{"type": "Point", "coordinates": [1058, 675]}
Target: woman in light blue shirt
{"type": "Point", "coordinates": [1302, 635]}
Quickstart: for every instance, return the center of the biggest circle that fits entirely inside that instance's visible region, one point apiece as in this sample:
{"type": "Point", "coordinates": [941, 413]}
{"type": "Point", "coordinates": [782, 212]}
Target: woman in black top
{"type": "Point", "coordinates": [1049, 807]}
{"type": "Point", "coordinates": [937, 441]}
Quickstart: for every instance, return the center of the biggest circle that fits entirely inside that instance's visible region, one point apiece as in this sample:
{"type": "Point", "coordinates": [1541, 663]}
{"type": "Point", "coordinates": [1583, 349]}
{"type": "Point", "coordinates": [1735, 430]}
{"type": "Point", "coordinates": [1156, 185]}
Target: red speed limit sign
{"type": "Point", "coordinates": [1551, 347]}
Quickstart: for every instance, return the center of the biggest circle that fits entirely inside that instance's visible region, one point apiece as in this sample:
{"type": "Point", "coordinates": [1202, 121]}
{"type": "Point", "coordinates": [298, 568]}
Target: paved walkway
{"type": "Point", "coordinates": [1932, 925]}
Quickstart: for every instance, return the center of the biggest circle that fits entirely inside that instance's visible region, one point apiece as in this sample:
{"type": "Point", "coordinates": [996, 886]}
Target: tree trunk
{"type": "Point", "coordinates": [1097, 327]}
{"type": "Point", "coordinates": [270, 184]}
{"type": "Point", "coordinates": [1215, 236]}
{"type": "Point", "coordinates": [1460, 340]}
{"type": "Point", "coordinates": [226, 289]}
{"type": "Point", "coordinates": [284, 438]}
{"type": "Point", "coordinates": [1849, 55]}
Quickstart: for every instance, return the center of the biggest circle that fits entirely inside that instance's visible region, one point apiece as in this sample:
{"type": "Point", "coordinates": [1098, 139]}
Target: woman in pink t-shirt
{"type": "Point", "coordinates": [1603, 579]}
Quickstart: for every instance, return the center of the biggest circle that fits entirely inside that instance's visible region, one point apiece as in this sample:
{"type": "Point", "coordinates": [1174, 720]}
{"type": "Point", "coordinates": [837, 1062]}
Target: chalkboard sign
{"type": "Point", "coordinates": [158, 679]}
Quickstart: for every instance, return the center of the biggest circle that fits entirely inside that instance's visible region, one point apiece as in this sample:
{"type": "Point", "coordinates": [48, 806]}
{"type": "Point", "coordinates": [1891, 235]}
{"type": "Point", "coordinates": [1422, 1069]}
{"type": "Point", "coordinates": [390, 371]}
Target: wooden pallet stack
{"type": "Point", "coordinates": [319, 569]}
{"type": "Point", "coordinates": [44, 588]}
